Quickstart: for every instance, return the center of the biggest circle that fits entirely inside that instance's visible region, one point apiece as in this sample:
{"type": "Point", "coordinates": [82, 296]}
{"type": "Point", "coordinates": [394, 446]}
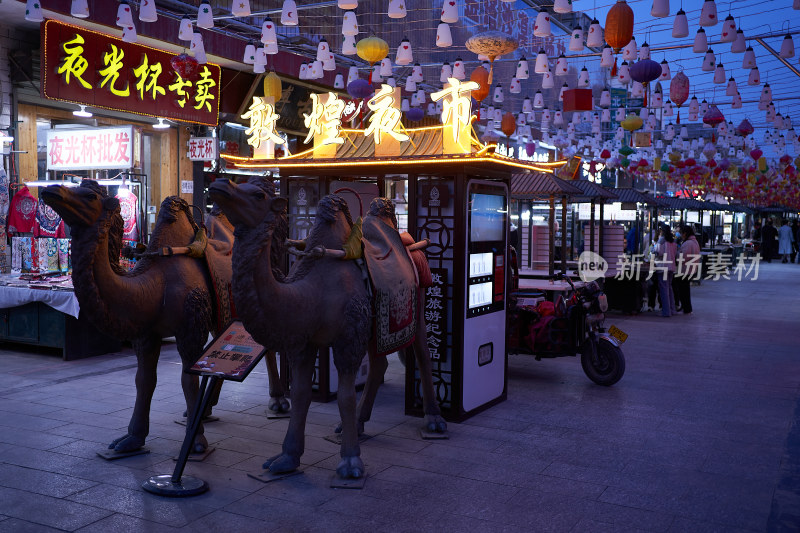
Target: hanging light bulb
{"type": "Point", "coordinates": [709, 61]}
{"type": "Point", "coordinates": [541, 28]}
{"type": "Point", "coordinates": [80, 9]}
{"type": "Point", "coordinates": [680, 26]}
{"type": "Point", "coordinates": [289, 13]}
{"type": "Point", "coordinates": [749, 59]}
{"type": "Point", "coordinates": [576, 39]}
{"type": "Point", "coordinates": [708, 13]}
{"type": "Point", "coordinates": [594, 38]}
{"type": "Point", "coordinates": [787, 47]}
{"type": "Point", "coordinates": [185, 30]}
{"type": "Point", "coordinates": [205, 16]}
{"type": "Point", "coordinates": [739, 45]}
{"type": "Point", "coordinates": [239, 8]}
{"type": "Point", "coordinates": [700, 42]}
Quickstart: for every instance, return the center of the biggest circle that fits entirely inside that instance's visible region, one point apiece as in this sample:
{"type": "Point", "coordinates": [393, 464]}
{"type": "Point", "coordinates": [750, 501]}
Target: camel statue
{"type": "Point", "coordinates": [161, 297]}
{"type": "Point", "coordinates": [323, 302]}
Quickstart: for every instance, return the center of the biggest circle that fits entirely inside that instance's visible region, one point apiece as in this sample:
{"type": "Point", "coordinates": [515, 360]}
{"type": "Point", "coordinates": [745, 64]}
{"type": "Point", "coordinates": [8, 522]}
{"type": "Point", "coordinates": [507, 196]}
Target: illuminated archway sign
{"type": "Point", "coordinates": [262, 134]}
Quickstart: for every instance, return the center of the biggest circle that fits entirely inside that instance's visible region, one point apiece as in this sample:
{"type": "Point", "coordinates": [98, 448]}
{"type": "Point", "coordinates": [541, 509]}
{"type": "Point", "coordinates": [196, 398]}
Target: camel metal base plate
{"type": "Point", "coordinates": [198, 457]}
{"type": "Point", "coordinates": [206, 420]}
{"type": "Point", "coordinates": [432, 435]}
{"type": "Point", "coordinates": [163, 486]}
{"type": "Point", "coordinates": [267, 477]}
{"type": "Point", "coordinates": [336, 438]}
{"type": "Point", "coordinates": [113, 455]}
{"type": "Point", "coordinates": [348, 483]}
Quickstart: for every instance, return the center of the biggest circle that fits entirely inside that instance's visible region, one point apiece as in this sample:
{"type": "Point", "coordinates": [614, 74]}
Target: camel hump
{"type": "Point", "coordinates": [220, 232]}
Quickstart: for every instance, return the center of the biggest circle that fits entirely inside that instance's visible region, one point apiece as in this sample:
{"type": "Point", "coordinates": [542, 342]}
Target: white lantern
{"type": "Point", "coordinates": [349, 23]}
{"type": "Point", "coordinates": [728, 34]}
{"type": "Point", "coordinates": [754, 78]}
{"type": "Point", "coordinates": [329, 65]}
{"type": "Point", "coordinates": [527, 105]}
{"type": "Point", "coordinates": [416, 73]}
{"type": "Point", "coordinates": [414, 100]}
{"type": "Point", "coordinates": [739, 44]}
{"type": "Point", "coordinates": [540, 67]}
{"type": "Point", "coordinates": [411, 85]}
{"type": "Point", "coordinates": [459, 72]}
{"type": "Point", "coordinates": [239, 8]}
{"type": "Point", "coordinates": [624, 73]}
{"type": "Point", "coordinates": [352, 75]}
{"type": "Point", "coordinates": [260, 61]}
{"type": "Point", "coordinates": [749, 59]}
{"type": "Point", "coordinates": [315, 70]}
{"type": "Point", "coordinates": [268, 32]}
{"type": "Point", "coordinates": [694, 105]}
{"type": "Point", "coordinates": [605, 115]}
{"type": "Point", "coordinates": [443, 36]}
{"type": "Point", "coordinates": [787, 47]}
{"type": "Point", "coordinates": [271, 49]}
{"type": "Point", "coordinates": [198, 49]}
{"type": "Point", "coordinates": [766, 93]}
{"type": "Point", "coordinates": [386, 67]}
{"type": "Point", "coordinates": [731, 89]}
{"type": "Point", "coordinates": [446, 72]}
{"type": "Point", "coordinates": [680, 26]}
{"type": "Point", "coordinates": [80, 9]}
{"type": "Point", "coordinates": [289, 14]}
{"type": "Point", "coordinates": [562, 6]}
{"type": "Point", "coordinates": [541, 28]}
{"type": "Point", "coordinates": [658, 99]}
{"type": "Point", "coordinates": [660, 8]}
{"type": "Point", "coordinates": [583, 78]}
{"type": "Point", "coordinates": [348, 4]}
{"type": "Point", "coordinates": [607, 57]}
{"type": "Point", "coordinates": [700, 42]}
{"type": "Point", "coordinates": [33, 11]}
{"type": "Point", "coordinates": [397, 9]}
{"type": "Point", "coordinates": [523, 72]}
{"type": "Point", "coordinates": [605, 98]}
{"type": "Point", "coordinates": [719, 73]}
{"type": "Point", "coordinates": [576, 39]}
{"type": "Point", "coordinates": [322, 50]}
{"type": "Point", "coordinates": [561, 66]}
{"type": "Point", "coordinates": [338, 82]}
{"type": "Point", "coordinates": [349, 45]}
{"type": "Point", "coordinates": [515, 87]}
{"type": "Point", "coordinates": [637, 90]}
{"type": "Point", "coordinates": [124, 16]}
{"type": "Point", "coordinates": [497, 97]}
{"type": "Point", "coordinates": [538, 100]}
{"type": "Point", "coordinates": [692, 115]}
{"type": "Point", "coordinates": [594, 37]}
{"type": "Point", "coordinates": [391, 82]}
{"type": "Point", "coordinates": [709, 61]}
{"type": "Point", "coordinates": [667, 109]}
{"type": "Point", "coordinates": [129, 34]}
{"type": "Point", "coordinates": [249, 57]}
{"type": "Point", "coordinates": [665, 73]}
{"type": "Point", "coordinates": [619, 114]}
{"type": "Point", "coordinates": [450, 11]}
{"type": "Point", "coordinates": [629, 50]}
{"type": "Point", "coordinates": [404, 54]}
{"type": "Point", "coordinates": [548, 82]}
{"type": "Point", "coordinates": [704, 107]}
{"type": "Point", "coordinates": [558, 118]}
{"type": "Point", "coordinates": [431, 109]}
{"type": "Point", "coordinates": [708, 13]}
{"type": "Point", "coordinates": [205, 15]}
{"type": "Point", "coordinates": [644, 51]}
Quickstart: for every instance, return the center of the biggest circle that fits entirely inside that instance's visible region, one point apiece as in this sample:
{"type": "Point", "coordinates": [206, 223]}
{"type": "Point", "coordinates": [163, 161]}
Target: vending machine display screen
{"type": "Point", "coordinates": [486, 247]}
{"type": "Point", "coordinates": [481, 264]}
{"type": "Point", "coordinates": [480, 294]}
{"type": "Point", "coordinates": [487, 217]}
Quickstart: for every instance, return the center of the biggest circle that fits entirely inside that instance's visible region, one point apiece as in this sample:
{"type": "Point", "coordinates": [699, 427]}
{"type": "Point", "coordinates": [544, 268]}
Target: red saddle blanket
{"type": "Point", "coordinates": [394, 284]}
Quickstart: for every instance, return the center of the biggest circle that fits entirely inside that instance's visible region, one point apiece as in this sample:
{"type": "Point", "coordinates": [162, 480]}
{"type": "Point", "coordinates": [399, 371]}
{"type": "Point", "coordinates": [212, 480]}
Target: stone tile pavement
{"type": "Point", "coordinates": [700, 435]}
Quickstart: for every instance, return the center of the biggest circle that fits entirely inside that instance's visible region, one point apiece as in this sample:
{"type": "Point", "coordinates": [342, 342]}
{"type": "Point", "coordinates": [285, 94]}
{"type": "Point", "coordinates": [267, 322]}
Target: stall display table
{"type": "Point", "coordinates": [50, 318]}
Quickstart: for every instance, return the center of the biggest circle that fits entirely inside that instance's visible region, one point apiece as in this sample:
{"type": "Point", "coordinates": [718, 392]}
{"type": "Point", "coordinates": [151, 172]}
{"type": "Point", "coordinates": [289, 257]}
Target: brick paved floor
{"type": "Point", "coordinates": [700, 435]}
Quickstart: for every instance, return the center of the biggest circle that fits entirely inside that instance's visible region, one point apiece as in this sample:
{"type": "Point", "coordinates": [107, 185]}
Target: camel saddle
{"type": "Point", "coordinates": [218, 258]}
{"type": "Point", "coordinates": [394, 286]}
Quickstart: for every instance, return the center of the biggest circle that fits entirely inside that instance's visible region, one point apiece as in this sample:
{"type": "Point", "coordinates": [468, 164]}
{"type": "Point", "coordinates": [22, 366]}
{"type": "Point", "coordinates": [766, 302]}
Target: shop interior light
{"type": "Point", "coordinates": [161, 124]}
{"type": "Point", "coordinates": [47, 183]}
{"type": "Point", "coordinates": [5, 137]}
{"type": "Point", "coordinates": [82, 112]}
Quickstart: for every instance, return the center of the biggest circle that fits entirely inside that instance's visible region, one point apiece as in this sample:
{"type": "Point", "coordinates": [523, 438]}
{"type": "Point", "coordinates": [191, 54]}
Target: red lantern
{"type": "Point", "coordinates": [679, 88]}
{"type": "Point", "coordinates": [713, 116]}
{"type": "Point", "coordinates": [508, 125]}
{"type": "Point", "coordinates": [605, 154]}
{"type": "Point", "coordinates": [755, 154]}
{"type": "Point", "coordinates": [691, 162]}
{"type": "Point", "coordinates": [619, 25]}
{"type": "Point", "coordinates": [744, 128]}
{"type": "Point", "coordinates": [481, 77]}
{"type": "Point", "coordinates": [185, 65]}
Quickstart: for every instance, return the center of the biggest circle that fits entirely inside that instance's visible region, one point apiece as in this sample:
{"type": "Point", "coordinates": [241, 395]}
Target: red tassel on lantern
{"type": "Point", "coordinates": [678, 120]}
{"type": "Point", "coordinates": [614, 68]}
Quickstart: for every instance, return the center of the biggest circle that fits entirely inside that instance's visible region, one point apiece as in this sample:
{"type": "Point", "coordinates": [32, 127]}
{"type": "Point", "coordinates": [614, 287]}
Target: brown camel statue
{"type": "Point", "coordinates": [299, 316]}
{"type": "Point", "coordinates": [161, 297]}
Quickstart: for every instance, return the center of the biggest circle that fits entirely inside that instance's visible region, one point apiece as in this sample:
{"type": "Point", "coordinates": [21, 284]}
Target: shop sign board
{"type": "Point", "coordinates": [232, 355]}
{"type": "Point", "coordinates": [202, 148]}
{"type": "Point", "coordinates": [436, 314]}
{"type": "Point", "coordinates": [90, 148]}
{"type": "Point", "coordinates": [87, 67]}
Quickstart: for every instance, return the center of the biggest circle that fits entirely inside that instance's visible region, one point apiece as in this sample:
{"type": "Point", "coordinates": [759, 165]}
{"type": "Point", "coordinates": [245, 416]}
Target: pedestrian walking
{"type": "Point", "coordinates": [689, 263]}
{"type": "Point", "coordinates": [785, 241]}
{"type": "Point", "coordinates": [666, 252]}
{"type": "Point", "coordinates": [769, 235]}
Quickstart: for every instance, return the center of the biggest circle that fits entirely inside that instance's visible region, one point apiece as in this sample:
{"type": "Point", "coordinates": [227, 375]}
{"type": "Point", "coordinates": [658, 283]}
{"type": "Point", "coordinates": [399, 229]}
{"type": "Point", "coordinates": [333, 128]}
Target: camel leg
{"type": "Point", "coordinates": [433, 413]}
{"type": "Point", "coordinates": [351, 465]}
{"type": "Point", "coordinates": [278, 403]}
{"type": "Point", "coordinates": [294, 442]}
{"type": "Point", "coordinates": [377, 369]}
{"type": "Point", "coordinates": [147, 352]}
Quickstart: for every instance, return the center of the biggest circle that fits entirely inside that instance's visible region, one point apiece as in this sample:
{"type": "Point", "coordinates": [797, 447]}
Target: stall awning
{"type": "Point", "coordinates": [631, 195]}
{"type": "Point", "coordinates": [672, 202]}
{"type": "Point", "coordinates": [591, 191]}
{"type": "Point", "coordinates": [540, 186]}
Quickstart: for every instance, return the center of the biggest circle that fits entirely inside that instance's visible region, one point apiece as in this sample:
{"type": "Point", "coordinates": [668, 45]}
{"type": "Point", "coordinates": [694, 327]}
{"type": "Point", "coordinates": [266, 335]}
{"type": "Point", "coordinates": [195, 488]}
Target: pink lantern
{"type": "Point", "coordinates": [679, 88]}
{"type": "Point", "coordinates": [713, 116]}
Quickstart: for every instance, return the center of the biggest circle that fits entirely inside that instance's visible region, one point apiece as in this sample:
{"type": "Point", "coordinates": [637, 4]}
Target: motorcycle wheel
{"type": "Point", "coordinates": [606, 366]}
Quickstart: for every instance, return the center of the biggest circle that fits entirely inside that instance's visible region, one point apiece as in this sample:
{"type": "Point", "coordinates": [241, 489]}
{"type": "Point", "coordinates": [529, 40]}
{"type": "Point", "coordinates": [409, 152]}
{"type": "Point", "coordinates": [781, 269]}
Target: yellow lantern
{"type": "Point", "coordinates": [762, 164]}
{"type": "Point", "coordinates": [372, 49]}
{"type": "Point", "coordinates": [272, 86]}
{"type": "Point", "coordinates": [632, 122]}
{"type": "Point", "coordinates": [674, 157]}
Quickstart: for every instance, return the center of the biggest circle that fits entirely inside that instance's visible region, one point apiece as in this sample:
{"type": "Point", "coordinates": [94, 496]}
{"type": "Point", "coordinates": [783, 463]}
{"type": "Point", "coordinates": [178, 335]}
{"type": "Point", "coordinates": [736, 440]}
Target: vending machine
{"type": "Point", "coordinates": [484, 331]}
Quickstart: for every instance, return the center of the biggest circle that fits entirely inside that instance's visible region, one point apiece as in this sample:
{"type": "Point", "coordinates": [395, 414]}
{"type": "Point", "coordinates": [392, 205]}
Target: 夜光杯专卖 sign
{"type": "Point", "coordinates": [97, 148]}
{"type": "Point", "coordinates": [99, 70]}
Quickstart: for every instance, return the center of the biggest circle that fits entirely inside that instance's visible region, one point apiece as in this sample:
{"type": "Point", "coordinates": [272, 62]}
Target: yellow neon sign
{"type": "Point", "coordinates": [385, 116]}
{"type": "Point", "coordinates": [262, 123]}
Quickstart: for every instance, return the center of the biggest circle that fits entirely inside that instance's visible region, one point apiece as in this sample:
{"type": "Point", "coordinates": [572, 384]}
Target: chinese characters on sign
{"type": "Point", "coordinates": [107, 148]}
{"type": "Point", "coordinates": [87, 67]}
{"type": "Point", "coordinates": [232, 355]}
{"type": "Point", "coordinates": [386, 115]}
{"type": "Point", "coordinates": [202, 148]}
{"type": "Point", "coordinates": [436, 314]}
{"type": "Point", "coordinates": [325, 119]}
{"type": "Point", "coordinates": [456, 114]}
{"type": "Point", "coordinates": [263, 118]}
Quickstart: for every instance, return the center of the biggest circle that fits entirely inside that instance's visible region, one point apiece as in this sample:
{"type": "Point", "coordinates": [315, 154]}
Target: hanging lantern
{"type": "Point", "coordinates": [637, 91]}
{"type": "Point", "coordinates": [198, 49]}
{"type": "Point", "coordinates": [205, 16]}
{"type": "Point", "coordinates": [737, 101]}
{"type": "Point", "coordinates": [583, 78]}
{"type": "Point", "coordinates": [605, 98]}
{"type": "Point", "coordinates": [739, 45]}
{"type": "Point", "coordinates": [619, 25]}
{"type": "Point", "coordinates": [497, 97]}
{"type": "Point", "coordinates": [708, 13]}
{"type": "Point", "coordinates": [260, 61]}
{"type": "Point", "coordinates": [731, 89]}
{"type": "Point", "coordinates": [508, 125]}
{"type": "Point", "coordinates": [644, 51]}
{"type": "Point", "coordinates": [754, 78]}
{"type": "Point", "coordinates": [444, 38]}
{"type": "Point", "coordinates": [515, 87]}
{"type": "Point", "coordinates": [538, 100]}
{"type": "Point", "coordinates": [268, 33]}
{"type": "Point", "coordinates": [404, 55]}
{"type": "Point", "coordinates": [561, 66]}
{"type": "Point", "coordinates": [660, 8]}
{"type": "Point", "coordinates": [667, 109]}
{"type": "Point", "coordinates": [749, 59]}
{"type": "Point", "coordinates": [540, 67]}
{"type": "Point", "coordinates": [129, 34]}
{"type": "Point", "coordinates": [719, 74]}
{"type": "Point", "coordinates": [658, 96]}
{"type": "Point", "coordinates": [304, 68]}
{"type": "Point", "coordinates": [624, 74]}
{"type": "Point", "coordinates": [80, 9]}
{"type": "Point", "coordinates": [411, 85]}
{"type": "Point", "coordinates": [446, 73]}
{"type": "Point", "coordinates": [744, 128]}
{"type": "Point", "coordinates": [338, 82]}
{"type": "Point", "coordinates": [416, 73]}
{"type": "Point", "coordinates": [576, 39]}
{"type": "Point", "coordinates": [631, 123]}
{"type": "Point", "coordinates": [348, 4]}
{"type": "Point", "coordinates": [709, 61]}
{"type": "Point", "coordinates": [33, 11]}
{"type": "Point", "coordinates": [679, 88]}
{"type": "Point", "coordinates": [766, 94]}
{"type": "Point", "coordinates": [680, 26]}
{"type": "Point", "coordinates": [665, 73]}
{"type": "Point", "coordinates": [450, 11]}
{"type": "Point", "coordinates": [713, 116]}
{"type": "Point", "coordinates": [239, 8]}
{"type": "Point", "coordinates": [374, 49]}
{"type": "Point", "coordinates": [629, 50]}
{"type": "Point", "coordinates": [607, 57]}
{"type": "Point", "coordinates": [249, 54]}
{"type": "Point", "coordinates": [352, 75]}
{"type": "Point", "coordinates": [605, 115]}
{"type": "Point", "coordinates": [492, 44]}
{"type": "Point", "coordinates": [787, 47]}
{"type": "Point", "coordinates": [594, 37]}
{"type": "Point", "coordinates": [645, 71]}
{"type": "Point", "coordinates": [558, 118]}
{"type": "Point", "coordinates": [548, 81]}
{"type": "Point", "coordinates": [481, 77]}
{"type": "Point", "coordinates": [728, 34]}
{"type": "Point", "coordinates": [694, 105]}
{"type": "Point", "coordinates": [562, 6]}
{"type": "Point", "coordinates": [541, 28]}
{"type": "Point", "coordinates": [349, 45]}
{"type": "Point", "coordinates": [522, 72]}
{"type": "Point", "coordinates": [459, 71]}
{"type": "Point", "coordinates": [527, 105]}
{"type": "Point", "coordinates": [322, 49]}
{"type": "Point", "coordinates": [272, 86]}
{"type": "Point", "coordinates": [349, 23]}
{"type": "Point", "coordinates": [289, 13]}
{"type": "Point", "coordinates": [700, 42]}
{"type": "Point", "coordinates": [397, 9]}
{"type": "Point", "coordinates": [271, 49]}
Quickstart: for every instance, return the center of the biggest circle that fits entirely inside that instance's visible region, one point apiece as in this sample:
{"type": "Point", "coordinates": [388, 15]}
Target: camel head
{"type": "Point", "coordinates": [175, 213]}
{"type": "Point", "coordinates": [79, 206]}
{"type": "Point", "coordinates": [248, 204]}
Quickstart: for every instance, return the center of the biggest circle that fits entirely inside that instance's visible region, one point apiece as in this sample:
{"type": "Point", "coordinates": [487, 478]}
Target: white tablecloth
{"type": "Point", "coordinates": [64, 301]}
